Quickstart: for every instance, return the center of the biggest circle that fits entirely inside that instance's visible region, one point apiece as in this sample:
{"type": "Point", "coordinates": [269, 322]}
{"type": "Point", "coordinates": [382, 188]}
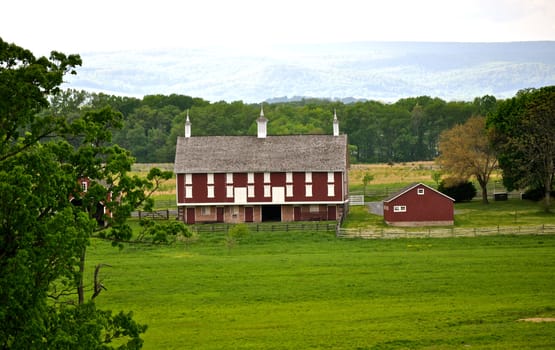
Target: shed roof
{"type": "Point", "coordinates": [217, 154]}
{"type": "Point", "coordinates": [410, 187]}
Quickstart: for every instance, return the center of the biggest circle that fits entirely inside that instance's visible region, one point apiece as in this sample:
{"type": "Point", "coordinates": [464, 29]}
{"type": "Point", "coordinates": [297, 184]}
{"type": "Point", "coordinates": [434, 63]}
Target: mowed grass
{"type": "Point", "coordinates": [314, 291]}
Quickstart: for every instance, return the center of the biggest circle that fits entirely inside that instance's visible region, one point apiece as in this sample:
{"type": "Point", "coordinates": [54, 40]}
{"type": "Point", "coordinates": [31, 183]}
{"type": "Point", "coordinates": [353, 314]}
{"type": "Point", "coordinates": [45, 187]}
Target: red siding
{"type": "Point", "coordinates": [429, 207]}
{"type": "Point", "coordinates": [319, 187]}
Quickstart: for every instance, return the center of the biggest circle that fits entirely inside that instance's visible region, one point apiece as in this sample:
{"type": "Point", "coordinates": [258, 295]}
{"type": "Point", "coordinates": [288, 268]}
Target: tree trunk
{"type": "Point", "coordinates": [81, 287]}
{"type": "Point", "coordinates": [484, 186]}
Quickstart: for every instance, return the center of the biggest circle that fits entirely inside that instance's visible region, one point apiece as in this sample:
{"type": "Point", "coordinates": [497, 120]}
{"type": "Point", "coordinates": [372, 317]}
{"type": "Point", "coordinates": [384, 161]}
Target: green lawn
{"type": "Point", "coordinates": [313, 291]}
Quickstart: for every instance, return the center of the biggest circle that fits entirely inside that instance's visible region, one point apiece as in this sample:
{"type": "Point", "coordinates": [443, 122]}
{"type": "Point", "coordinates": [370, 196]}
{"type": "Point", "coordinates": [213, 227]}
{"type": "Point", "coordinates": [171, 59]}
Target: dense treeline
{"type": "Point", "coordinates": [407, 130]}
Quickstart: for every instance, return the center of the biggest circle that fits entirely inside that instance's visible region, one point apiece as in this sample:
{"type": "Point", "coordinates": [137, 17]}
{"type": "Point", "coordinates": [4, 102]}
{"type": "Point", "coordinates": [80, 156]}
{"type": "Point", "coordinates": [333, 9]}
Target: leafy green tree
{"type": "Point", "coordinates": [522, 130]}
{"type": "Point", "coordinates": [43, 236]}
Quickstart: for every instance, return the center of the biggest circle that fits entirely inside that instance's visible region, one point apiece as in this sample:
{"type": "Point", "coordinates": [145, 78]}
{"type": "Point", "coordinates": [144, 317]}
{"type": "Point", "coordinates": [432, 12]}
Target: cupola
{"type": "Point", "coordinates": [261, 124]}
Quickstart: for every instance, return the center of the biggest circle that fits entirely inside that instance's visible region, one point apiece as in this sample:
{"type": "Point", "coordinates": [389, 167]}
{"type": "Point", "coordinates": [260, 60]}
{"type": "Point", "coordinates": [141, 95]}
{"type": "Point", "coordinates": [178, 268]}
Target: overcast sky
{"type": "Point", "coordinates": [80, 26]}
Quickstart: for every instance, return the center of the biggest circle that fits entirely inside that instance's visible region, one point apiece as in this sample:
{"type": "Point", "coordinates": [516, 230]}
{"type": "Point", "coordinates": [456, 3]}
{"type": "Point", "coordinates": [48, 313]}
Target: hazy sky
{"type": "Point", "coordinates": [79, 26]}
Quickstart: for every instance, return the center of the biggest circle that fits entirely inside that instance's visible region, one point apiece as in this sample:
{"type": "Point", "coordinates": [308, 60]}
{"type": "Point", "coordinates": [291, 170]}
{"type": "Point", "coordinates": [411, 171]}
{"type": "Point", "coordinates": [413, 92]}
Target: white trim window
{"type": "Point", "coordinates": [288, 177]}
{"type": "Point", "coordinates": [229, 178]}
{"type": "Point", "coordinates": [210, 179]}
{"type": "Point", "coordinates": [420, 191]}
{"type": "Point", "coordinates": [289, 190]}
{"type": "Point", "coordinates": [250, 178]}
{"type": "Point", "coordinates": [205, 211]}
{"type": "Point", "coordinates": [331, 190]}
{"type": "Point", "coordinates": [314, 208]}
{"type": "Point", "coordinates": [210, 191]}
{"type": "Point", "coordinates": [308, 177]}
{"type": "Point", "coordinates": [250, 191]}
{"type": "Point", "coordinates": [188, 179]}
{"type": "Point", "coordinates": [188, 191]}
{"type": "Point", "coordinates": [308, 190]}
{"type": "Point", "coordinates": [331, 177]}
{"type": "Point", "coordinates": [266, 178]}
{"type": "Point", "coordinates": [229, 191]}
{"type": "Point", "coordinates": [399, 208]}
{"type": "Point", "coordinates": [267, 191]}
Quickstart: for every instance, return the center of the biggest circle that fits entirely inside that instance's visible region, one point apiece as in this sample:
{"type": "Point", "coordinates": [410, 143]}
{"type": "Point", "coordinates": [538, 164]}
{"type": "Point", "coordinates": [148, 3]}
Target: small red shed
{"type": "Point", "coordinates": [419, 205]}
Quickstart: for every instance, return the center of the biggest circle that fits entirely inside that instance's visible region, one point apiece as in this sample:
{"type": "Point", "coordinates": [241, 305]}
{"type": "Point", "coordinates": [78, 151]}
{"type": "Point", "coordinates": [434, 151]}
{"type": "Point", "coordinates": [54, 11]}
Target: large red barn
{"type": "Point", "coordinates": [261, 178]}
{"type": "Point", "coordinates": [419, 205]}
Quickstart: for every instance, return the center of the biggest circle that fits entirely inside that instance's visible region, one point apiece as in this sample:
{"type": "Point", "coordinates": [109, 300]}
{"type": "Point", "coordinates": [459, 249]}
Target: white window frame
{"type": "Point", "coordinates": [331, 190]}
{"type": "Point", "coordinates": [229, 178]}
{"type": "Point", "coordinates": [308, 190]}
{"type": "Point", "coordinates": [210, 178]}
{"type": "Point", "coordinates": [267, 191]}
{"type": "Point", "coordinates": [250, 191]}
{"type": "Point", "coordinates": [331, 177]}
{"type": "Point", "coordinates": [267, 179]}
{"type": "Point", "coordinates": [289, 190]}
{"type": "Point", "coordinates": [250, 178]}
{"type": "Point", "coordinates": [84, 186]}
{"type": "Point", "coordinates": [229, 191]}
{"type": "Point", "coordinates": [289, 177]}
{"type": "Point", "coordinates": [308, 177]}
{"type": "Point", "coordinates": [188, 179]}
{"type": "Point", "coordinates": [210, 191]}
{"type": "Point", "coordinates": [188, 191]}
{"type": "Point", "coordinates": [399, 208]}
{"type": "Point", "coordinates": [314, 208]}
{"type": "Point", "coordinates": [420, 191]}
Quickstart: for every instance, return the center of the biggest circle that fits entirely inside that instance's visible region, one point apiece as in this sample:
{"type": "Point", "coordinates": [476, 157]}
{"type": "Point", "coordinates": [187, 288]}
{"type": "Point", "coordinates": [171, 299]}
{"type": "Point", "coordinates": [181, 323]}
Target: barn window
{"type": "Point", "coordinates": [331, 190]}
{"type": "Point", "coordinates": [229, 178]}
{"type": "Point", "coordinates": [330, 177]}
{"type": "Point", "coordinates": [420, 191]}
{"type": "Point", "coordinates": [250, 190]}
{"type": "Point", "coordinates": [399, 208]}
{"type": "Point", "coordinates": [289, 190]}
{"type": "Point", "coordinates": [188, 179]}
{"type": "Point", "coordinates": [210, 191]}
{"type": "Point", "coordinates": [308, 177]}
{"type": "Point", "coordinates": [308, 190]}
{"type": "Point", "coordinates": [266, 178]}
{"type": "Point", "coordinates": [314, 208]}
{"type": "Point", "coordinates": [267, 191]}
{"type": "Point", "coordinates": [205, 211]}
{"type": "Point", "coordinates": [229, 191]}
{"type": "Point", "coordinates": [288, 177]}
{"type": "Point", "coordinates": [188, 191]}
{"type": "Point", "coordinates": [250, 178]}
{"type": "Point", "coordinates": [210, 179]}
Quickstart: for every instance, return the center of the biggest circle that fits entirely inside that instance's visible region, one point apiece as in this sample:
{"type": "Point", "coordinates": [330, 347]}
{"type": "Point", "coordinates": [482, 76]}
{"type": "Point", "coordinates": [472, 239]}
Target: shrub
{"type": "Point", "coordinates": [535, 194]}
{"type": "Point", "coordinates": [461, 191]}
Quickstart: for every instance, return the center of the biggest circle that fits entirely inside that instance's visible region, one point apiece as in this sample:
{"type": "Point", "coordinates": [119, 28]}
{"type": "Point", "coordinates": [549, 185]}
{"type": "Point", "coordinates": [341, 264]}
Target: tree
{"type": "Point", "coordinates": [43, 236]}
{"type": "Point", "coordinates": [465, 151]}
{"type": "Point", "coordinates": [366, 179]}
{"type": "Point", "coordinates": [522, 130]}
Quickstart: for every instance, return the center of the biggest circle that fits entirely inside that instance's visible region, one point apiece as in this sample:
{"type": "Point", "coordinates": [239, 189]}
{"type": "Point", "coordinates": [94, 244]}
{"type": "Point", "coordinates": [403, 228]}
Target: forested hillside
{"type": "Point", "coordinates": [406, 130]}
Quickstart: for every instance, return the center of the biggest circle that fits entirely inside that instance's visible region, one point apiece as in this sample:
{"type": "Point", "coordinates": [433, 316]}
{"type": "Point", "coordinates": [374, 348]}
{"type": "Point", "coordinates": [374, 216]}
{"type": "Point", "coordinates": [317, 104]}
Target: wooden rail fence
{"type": "Point", "coordinates": [393, 233]}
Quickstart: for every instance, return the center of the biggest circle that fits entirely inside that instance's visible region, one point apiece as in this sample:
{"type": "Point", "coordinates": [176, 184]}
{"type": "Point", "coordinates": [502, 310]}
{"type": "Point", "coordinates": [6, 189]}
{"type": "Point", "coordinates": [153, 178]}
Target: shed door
{"type": "Point", "coordinates": [190, 215]}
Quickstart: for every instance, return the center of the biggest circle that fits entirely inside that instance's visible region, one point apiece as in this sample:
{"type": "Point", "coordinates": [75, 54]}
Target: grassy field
{"type": "Point", "coordinates": [313, 291]}
{"type": "Point", "coordinates": [278, 290]}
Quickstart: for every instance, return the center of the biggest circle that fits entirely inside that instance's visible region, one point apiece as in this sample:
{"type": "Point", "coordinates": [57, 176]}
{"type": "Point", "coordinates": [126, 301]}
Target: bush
{"type": "Point", "coordinates": [461, 192]}
{"type": "Point", "coordinates": [535, 194]}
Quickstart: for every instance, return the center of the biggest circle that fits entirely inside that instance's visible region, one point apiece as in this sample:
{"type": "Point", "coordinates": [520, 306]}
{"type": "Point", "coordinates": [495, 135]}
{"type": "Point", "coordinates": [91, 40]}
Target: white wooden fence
{"type": "Point", "coordinates": [392, 233]}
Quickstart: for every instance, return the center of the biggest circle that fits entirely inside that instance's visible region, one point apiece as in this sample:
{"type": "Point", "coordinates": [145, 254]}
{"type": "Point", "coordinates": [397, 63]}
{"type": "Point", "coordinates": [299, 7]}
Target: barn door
{"type": "Point", "coordinates": [220, 214]}
{"type": "Point", "coordinates": [297, 214]}
{"type": "Point", "coordinates": [190, 215]}
{"type": "Point", "coordinates": [249, 216]}
{"type": "Point", "coordinates": [332, 212]}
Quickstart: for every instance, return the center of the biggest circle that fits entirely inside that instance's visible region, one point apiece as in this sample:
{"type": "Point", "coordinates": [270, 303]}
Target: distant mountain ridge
{"type": "Point", "coordinates": [385, 71]}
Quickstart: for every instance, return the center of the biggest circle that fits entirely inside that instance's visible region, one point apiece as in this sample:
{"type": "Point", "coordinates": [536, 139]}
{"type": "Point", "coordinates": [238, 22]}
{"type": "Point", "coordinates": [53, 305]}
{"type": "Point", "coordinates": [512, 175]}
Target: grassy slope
{"type": "Point", "coordinates": [310, 290]}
